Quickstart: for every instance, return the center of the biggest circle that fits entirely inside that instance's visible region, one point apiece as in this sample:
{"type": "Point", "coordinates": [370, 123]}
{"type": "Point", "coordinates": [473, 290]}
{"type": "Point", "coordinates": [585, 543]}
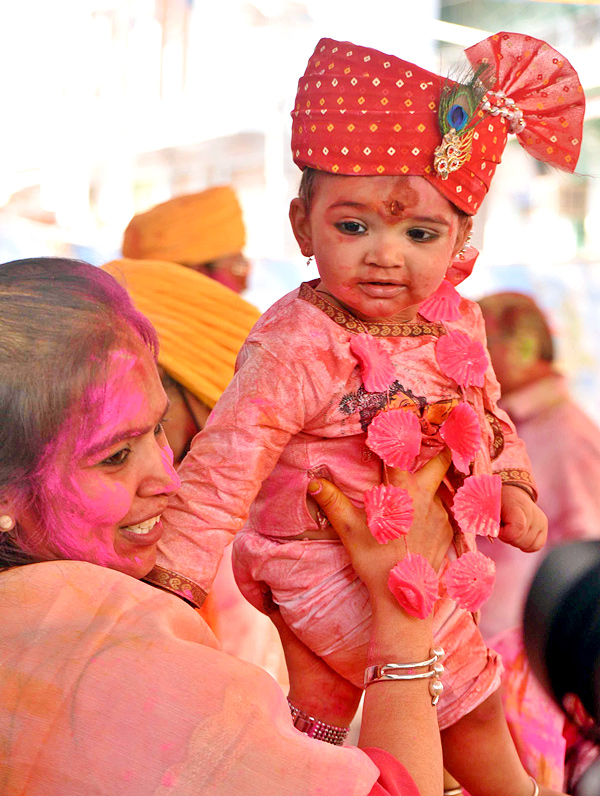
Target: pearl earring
{"type": "Point", "coordinates": [6, 523]}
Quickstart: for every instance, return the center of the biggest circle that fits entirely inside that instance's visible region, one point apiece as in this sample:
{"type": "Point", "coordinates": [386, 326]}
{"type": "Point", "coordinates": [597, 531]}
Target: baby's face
{"type": "Point", "coordinates": [382, 244]}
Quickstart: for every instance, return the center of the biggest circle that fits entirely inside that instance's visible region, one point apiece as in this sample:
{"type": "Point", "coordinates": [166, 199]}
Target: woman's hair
{"type": "Point", "coordinates": [59, 320]}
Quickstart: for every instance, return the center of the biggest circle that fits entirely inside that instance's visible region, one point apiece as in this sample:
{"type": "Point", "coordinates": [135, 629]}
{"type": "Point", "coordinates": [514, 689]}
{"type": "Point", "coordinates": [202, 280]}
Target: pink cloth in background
{"type": "Point", "coordinates": [110, 686]}
{"type": "Point", "coordinates": [564, 447]}
{"type": "Point", "coordinates": [241, 629]}
{"type": "Point", "coordinates": [535, 723]}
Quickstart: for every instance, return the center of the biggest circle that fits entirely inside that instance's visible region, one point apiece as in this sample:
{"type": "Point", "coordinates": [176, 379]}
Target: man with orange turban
{"type": "Point", "coordinates": [204, 231]}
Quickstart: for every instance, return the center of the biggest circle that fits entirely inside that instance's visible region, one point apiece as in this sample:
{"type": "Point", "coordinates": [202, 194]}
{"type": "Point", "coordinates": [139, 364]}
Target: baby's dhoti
{"type": "Point", "coordinates": [327, 606]}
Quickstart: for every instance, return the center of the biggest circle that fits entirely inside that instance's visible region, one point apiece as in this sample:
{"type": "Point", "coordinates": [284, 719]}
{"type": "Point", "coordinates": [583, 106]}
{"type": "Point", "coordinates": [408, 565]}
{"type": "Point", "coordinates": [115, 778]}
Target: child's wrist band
{"type": "Point", "coordinates": [316, 729]}
{"type": "Point", "coordinates": [408, 671]}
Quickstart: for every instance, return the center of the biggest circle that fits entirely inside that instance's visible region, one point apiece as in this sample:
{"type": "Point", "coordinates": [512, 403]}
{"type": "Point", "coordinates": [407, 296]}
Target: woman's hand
{"type": "Point", "coordinates": [397, 716]}
{"type": "Point", "coordinates": [430, 534]}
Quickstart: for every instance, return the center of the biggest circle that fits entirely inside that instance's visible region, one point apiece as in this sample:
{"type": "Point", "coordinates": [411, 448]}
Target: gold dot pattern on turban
{"type": "Point", "coordinates": [200, 323]}
{"type": "Point", "coordinates": [191, 230]}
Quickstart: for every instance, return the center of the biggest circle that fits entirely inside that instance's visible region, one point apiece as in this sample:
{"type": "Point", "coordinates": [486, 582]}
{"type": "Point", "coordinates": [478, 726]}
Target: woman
{"type": "Point", "coordinates": [108, 684]}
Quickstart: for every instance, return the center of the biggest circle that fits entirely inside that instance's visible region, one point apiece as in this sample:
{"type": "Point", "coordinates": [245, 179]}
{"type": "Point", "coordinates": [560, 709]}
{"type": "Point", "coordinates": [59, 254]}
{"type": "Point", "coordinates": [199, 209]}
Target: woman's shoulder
{"type": "Point", "coordinates": [77, 593]}
{"type": "Point", "coordinates": [78, 577]}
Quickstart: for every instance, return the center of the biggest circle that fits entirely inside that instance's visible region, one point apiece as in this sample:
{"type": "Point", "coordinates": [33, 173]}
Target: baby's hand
{"type": "Point", "coordinates": [522, 523]}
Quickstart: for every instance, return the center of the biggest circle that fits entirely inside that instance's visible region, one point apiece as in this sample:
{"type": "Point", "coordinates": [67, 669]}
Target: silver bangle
{"type": "Point", "coordinates": [453, 791]}
{"type": "Point", "coordinates": [536, 787]}
{"type": "Point", "coordinates": [316, 729]}
{"type": "Point", "coordinates": [407, 671]}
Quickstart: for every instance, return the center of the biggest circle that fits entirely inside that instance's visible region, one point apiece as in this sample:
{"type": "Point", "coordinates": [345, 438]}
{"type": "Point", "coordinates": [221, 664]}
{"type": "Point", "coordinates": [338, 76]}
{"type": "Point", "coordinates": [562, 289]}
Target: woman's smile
{"type": "Point", "coordinates": [143, 533]}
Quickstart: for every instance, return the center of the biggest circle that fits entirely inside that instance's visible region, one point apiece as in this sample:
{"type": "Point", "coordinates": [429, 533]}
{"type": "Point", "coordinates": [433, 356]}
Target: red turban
{"type": "Point", "coordinates": [361, 112]}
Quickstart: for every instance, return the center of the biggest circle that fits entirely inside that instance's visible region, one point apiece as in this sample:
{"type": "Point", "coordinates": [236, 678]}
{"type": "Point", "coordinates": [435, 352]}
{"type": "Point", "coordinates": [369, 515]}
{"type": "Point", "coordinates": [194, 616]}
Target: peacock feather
{"type": "Point", "coordinates": [458, 115]}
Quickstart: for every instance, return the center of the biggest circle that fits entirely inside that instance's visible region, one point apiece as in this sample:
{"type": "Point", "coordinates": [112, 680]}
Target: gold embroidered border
{"type": "Point", "coordinates": [521, 478]}
{"type": "Point", "coordinates": [352, 324]}
{"type": "Point", "coordinates": [497, 443]}
{"type": "Point", "coordinates": [176, 584]}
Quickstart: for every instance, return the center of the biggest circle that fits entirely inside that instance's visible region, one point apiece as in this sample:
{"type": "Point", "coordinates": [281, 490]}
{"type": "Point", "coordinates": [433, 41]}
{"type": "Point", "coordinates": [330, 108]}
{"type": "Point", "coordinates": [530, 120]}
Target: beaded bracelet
{"type": "Point", "coordinates": [316, 729]}
{"type": "Point", "coordinates": [406, 671]}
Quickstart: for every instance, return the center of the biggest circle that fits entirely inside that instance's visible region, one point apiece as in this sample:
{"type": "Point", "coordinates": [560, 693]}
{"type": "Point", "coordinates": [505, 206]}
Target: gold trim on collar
{"type": "Point", "coordinates": [176, 584]}
{"type": "Point", "coordinates": [352, 324]}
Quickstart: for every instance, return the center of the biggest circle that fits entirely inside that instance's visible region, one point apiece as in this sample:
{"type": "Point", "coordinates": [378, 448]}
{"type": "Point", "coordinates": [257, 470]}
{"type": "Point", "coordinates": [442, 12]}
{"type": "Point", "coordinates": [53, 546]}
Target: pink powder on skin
{"type": "Point", "coordinates": [119, 474]}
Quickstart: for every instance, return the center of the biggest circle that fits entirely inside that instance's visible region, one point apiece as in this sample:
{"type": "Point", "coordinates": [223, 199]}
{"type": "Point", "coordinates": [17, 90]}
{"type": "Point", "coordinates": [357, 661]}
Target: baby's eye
{"type": "Point", "coordinates": [160, 427]}
{"type": "Point", "coordinates": [120, 457]}
{"type": "Point", "coordinates": [419, 234]}
{"type": "Point", "coordinates": [351, 227]}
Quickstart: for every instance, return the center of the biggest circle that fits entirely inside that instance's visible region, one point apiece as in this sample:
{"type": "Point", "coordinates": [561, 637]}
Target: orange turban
{"type": "Point", "coordinates": [200, 323]}
{"type": "Point", "coordinates": [190, 230]}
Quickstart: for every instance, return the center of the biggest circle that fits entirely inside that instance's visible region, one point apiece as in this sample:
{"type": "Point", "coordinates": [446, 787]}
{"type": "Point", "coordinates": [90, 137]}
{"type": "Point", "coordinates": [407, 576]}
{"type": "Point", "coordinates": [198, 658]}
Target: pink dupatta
{"type": "Point", "coordinates": [112, 686]}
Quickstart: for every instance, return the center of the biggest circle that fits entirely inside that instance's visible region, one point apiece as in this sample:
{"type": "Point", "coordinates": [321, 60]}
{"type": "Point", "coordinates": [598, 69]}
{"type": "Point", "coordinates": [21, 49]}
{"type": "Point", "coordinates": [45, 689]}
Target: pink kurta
{"type": "Point", "coordinates": [564, 444]}
{"type": "Point", "coordinates": [297, 408]}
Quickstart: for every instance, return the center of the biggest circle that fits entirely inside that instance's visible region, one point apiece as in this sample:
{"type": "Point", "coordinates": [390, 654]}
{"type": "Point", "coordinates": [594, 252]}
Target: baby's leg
{"type": "Point", "coordinates": [319, 595]}
{"type": "Point", "coordinates": [479, 752]}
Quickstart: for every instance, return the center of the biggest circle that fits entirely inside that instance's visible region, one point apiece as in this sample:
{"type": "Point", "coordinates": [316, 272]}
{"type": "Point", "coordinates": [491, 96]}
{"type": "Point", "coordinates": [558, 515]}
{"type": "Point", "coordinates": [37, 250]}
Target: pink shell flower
{"type": "Point", "coordinates": [476, 506]}
{"type": "Point", "coordinates": [443, 305]}
{"type": "Point", "coordinates": [462, 434]}
{"type": "Point", "coordinates": [389, 512]}
{"type": "Point", "coordinates": [376, 367]}
{"type": "Point", "coordinates": [462, 358]}
{"type": "Point", "coordinates": [470, 580]}
{"type": "Point", "coordinates": [414, 583]}
{"type": "Point", "coordinates": [395, 436]}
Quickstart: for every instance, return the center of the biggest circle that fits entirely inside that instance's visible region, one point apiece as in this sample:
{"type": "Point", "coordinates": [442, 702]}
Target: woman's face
{"type": "Point", "coordinates": [107, 488]}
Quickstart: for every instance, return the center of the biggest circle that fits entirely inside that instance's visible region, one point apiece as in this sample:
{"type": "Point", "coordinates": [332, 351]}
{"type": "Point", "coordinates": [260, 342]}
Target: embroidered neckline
{"type": "Point", "coordinates": [345, 319]}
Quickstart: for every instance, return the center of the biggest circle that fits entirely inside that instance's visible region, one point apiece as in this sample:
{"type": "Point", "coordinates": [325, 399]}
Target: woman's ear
{"type": "Point", "coordinates": [465, 227]}
{"type": "Point", "coordinates": [8, 518]}
{"type": "Point", "coordinates": [300, 221]}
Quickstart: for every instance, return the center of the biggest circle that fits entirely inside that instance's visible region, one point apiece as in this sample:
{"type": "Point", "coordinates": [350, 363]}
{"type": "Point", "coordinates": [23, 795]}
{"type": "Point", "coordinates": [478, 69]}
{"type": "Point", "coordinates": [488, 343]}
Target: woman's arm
{"type": "Point", "coordinates": [398, 716]}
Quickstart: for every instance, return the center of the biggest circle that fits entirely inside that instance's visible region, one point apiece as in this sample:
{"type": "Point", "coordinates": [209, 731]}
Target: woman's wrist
{"type": "Point", "coordinates": [396, 635]}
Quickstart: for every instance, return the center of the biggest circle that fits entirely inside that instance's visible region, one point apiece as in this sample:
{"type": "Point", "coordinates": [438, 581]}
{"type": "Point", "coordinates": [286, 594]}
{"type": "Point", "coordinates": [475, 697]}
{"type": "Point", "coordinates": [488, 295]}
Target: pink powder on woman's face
{"type": "Point", "coordinates": [119, 474]}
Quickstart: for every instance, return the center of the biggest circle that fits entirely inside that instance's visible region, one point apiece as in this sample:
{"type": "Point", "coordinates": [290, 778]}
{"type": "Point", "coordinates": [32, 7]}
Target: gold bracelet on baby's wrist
{"type": "Point", "coordinates": [432, 667]}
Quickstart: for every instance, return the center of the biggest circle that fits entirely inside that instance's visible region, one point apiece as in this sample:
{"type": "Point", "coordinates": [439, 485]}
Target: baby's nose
{"type": "Point", "coordinates": [386, 252]}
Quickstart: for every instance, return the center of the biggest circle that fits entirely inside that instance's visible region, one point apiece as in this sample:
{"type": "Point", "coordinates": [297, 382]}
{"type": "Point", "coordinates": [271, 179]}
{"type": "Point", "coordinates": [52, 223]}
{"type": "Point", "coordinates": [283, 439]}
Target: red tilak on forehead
{"type": "Point", "coordinates": [402, 197]}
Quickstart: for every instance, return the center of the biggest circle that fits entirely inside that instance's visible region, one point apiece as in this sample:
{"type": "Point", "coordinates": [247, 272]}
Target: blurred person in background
{"type": "Point", "coordinates": [201, 326]}
{"type": "Point", "coordinates": [564, 447]}
{"type": "Point", "coordinates": [204, 231]}
{"type": "Point", "coordinates": [563, 444]}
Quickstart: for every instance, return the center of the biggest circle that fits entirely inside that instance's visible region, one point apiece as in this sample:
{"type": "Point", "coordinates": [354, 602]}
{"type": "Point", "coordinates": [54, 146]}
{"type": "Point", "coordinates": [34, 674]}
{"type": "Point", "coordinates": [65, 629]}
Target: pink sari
{"type": "Point", "coordinates": [111, 686]}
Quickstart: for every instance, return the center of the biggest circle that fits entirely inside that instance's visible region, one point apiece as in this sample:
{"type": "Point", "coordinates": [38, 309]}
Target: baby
{"type": "Point", "coordinates": [395, 162]}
